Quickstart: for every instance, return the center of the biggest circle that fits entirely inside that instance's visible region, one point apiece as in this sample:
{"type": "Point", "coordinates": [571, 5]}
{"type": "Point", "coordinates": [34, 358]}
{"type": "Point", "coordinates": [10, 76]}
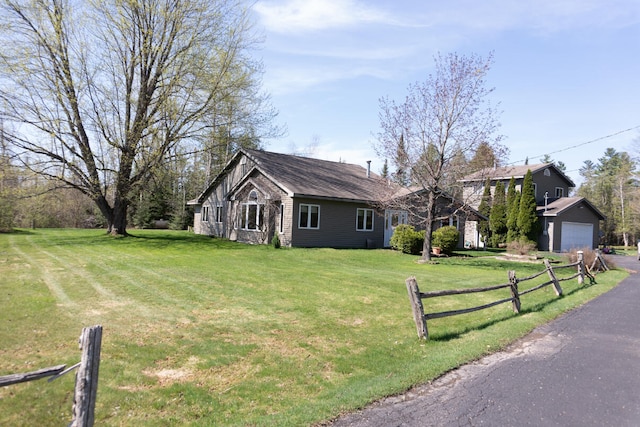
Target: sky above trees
{"type": "Point", "coordinates": [565, 72]}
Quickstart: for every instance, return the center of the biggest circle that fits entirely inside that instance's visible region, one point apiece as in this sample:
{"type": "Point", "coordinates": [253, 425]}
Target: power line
{"type": "Point", "coordinates": [580, 145]}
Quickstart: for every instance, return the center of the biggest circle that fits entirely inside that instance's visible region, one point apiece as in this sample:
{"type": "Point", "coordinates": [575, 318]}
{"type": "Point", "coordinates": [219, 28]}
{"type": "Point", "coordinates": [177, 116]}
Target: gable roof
{"type": "Point", "coordinates": [516, 171]}
{"type": "Point", "coordinates": [308, 177]}
{"type": "Point", "coordinates": [561, 205]}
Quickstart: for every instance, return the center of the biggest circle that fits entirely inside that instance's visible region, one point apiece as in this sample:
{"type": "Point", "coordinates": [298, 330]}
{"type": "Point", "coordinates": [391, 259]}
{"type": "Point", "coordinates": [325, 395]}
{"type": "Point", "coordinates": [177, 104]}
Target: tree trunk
{"type": "Point", "coordinates": [105, 210]}
{"type": "Point", "coordinates": [431, 206]}
{"type": "Point", "coordinates": [118, 227]}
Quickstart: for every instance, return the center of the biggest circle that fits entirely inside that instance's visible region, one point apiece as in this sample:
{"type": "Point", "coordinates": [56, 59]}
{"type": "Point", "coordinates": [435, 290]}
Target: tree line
{"type": "Point", "coordinates": [611, 184]}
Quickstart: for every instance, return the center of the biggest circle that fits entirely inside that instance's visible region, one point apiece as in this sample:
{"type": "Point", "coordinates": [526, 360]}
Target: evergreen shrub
{"type": "Point", "coordinates": [446, 238]}
{"type": "Point", "coordinates": [406, 239]}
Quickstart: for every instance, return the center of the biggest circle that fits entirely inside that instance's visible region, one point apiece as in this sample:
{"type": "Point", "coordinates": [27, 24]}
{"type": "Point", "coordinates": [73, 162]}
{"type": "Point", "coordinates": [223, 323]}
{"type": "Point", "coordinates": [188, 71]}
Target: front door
{"type": "Point", "coordinates": [393, 218]}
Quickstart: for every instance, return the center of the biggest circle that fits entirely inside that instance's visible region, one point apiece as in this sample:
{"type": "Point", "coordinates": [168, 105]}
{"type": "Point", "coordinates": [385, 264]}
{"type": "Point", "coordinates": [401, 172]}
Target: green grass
{"type": "Point", "coordinates": [201, 331]}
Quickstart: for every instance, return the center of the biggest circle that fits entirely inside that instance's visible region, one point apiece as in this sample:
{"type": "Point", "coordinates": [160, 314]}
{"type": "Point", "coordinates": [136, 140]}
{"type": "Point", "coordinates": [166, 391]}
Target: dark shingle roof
{"type": "Point", "coordinates": [516, 171]}
{"type": "Point", "coordinates": [562, 204]}
{"type": "Point", "coordinates": [303, 176]}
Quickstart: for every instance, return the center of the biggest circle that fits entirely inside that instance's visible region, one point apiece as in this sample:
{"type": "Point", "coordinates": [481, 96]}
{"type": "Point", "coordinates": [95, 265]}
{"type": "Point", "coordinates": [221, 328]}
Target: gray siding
{"type": "Point", "coordinates": [218, 197]}
{"type": "Point", "coordinates": [337, 226]}
{"type": "Point", "coordinates": [269, 198]}
{"type": "Point", "coordinates": [472, 192]}
{"type": "Point", "coordinates": [580, 213]}
{"type": "Point", "coordinates": [548, 184]}
{"type": "Point", "coordinates": [287, 226]}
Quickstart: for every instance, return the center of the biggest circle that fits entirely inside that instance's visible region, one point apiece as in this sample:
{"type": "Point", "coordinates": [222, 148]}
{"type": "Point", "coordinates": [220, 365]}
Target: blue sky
{"type": "Point", "coordinates": [566, 72]}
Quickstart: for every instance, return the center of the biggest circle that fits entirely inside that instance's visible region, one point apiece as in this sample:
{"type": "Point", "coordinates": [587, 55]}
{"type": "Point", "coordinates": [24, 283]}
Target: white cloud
{"type": "Point", "coordinates": [296, 16]}
{"type": "Point", "coordinates": [299, 77]}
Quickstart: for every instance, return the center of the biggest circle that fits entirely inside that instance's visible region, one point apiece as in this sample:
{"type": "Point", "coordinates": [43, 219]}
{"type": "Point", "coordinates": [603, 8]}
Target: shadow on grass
{"type": "Point", "coordinates": [448, 336]}
{"type": "Point", "coordinates": [21, 231]}
{"type": "Point", "coordinates": [524, 309]}
{"type": "Point", "coordinates": [159, 239]}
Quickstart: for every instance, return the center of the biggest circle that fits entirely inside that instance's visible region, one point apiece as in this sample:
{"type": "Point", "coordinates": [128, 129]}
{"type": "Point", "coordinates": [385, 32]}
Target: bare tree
{"type": "Point", "coordinates": [100, 91]}
{"type": "Point", "coordinates": [443, 119]}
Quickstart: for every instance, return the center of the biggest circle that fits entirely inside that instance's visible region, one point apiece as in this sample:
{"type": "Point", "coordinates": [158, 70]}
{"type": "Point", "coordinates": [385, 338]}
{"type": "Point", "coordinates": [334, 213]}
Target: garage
{"type": "Point", "coordinates": [576, 235]}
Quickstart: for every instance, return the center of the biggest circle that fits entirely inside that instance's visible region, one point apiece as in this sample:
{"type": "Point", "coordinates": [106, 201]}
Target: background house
{"type": "Point", "coordinates": [306, 202]}
{"type": "Point", "coordinates": [566, 222]}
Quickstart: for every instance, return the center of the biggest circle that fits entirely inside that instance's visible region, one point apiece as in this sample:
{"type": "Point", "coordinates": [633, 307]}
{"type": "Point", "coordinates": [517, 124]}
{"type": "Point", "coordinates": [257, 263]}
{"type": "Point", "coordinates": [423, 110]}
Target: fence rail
{"type": "Point", "coordinates": [86, 387]}
{"type": "Point", "coordinates": [416, 297]}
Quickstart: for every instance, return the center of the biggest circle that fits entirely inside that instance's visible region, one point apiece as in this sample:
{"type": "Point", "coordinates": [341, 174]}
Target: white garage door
{"type": "Point", "coordinates": [576, 235]}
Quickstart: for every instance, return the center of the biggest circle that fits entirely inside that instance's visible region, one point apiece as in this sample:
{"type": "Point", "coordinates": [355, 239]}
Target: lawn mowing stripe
{"type": "Point", "coordinates": [160, 281]}
{"type": "Point", "coordinates": [53, 285]}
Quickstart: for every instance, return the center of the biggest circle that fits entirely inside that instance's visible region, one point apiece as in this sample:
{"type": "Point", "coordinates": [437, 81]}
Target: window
{"type": "Point", "coordinates": [453, 221]}
{"type": "Point", "coordinates": [251, 216]}
{"type": "Point", "coordinates": [205, 214]}
{"type": "Point", "coordinates": [364, 220]}
{"type": "Point", "coordinates": [252, 213]}
{"type": "Point", "coordinates": [535, 190]}
{"type": "Point", "coordinates": [559, 192]}
{"type": "Point", "coordinates": [281, 218]}
{"type": "Point", "coordinates": [547, 172]}
{"type": "Point", "coordinates": [219, 211]}
{"type": "Point", "coordinates": [309, 216]}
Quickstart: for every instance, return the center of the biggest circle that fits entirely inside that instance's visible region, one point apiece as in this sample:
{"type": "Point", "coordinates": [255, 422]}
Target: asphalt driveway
{"type": "Point", "coordinates": [582, 369]}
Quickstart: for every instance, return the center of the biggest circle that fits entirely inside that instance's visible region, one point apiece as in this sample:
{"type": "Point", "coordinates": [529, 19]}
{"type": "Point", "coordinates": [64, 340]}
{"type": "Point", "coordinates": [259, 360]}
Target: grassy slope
{"type": "Point", "coordinates": [207, 332]}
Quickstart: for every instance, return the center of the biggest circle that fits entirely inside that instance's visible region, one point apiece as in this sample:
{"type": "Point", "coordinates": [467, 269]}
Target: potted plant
{"type": "Point", "coordinates": [444, 239]}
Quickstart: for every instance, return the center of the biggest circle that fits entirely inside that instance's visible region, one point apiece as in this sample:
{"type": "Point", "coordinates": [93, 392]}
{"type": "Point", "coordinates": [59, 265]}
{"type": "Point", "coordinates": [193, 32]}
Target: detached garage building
{"type": "Point", "coordinates": [569, 223]}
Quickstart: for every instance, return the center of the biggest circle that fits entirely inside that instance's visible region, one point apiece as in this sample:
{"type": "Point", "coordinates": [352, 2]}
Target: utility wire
{"type": "Point", "coordinates": [579, 145]}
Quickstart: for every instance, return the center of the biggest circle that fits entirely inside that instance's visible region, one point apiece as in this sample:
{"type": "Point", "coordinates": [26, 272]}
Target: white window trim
{"type": "Point", "coordinates": [204, 215]}
{"type": "Point", "coordinates": [281, 227]}
{"type": "Point", "coordinates": [561, 192]}
{"type": "Point", "coordinates": [367, 212]}
{"type": "Point", "coordinates": [219, 213]}
{"type": "Point", "coordinates": [308, 227]}
{"type": "Point", "coordinates": [259, 209]}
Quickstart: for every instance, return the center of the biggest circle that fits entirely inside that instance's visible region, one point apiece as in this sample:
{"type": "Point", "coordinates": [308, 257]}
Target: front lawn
{"type": "Point", "coordinates": [201, 331]}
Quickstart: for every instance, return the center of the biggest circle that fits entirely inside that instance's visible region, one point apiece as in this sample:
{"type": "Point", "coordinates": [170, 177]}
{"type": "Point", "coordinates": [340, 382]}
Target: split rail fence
{"type": "Point", "coordinates": [416, 297]}
{"type": "Point", "coordinates": [86, 387]}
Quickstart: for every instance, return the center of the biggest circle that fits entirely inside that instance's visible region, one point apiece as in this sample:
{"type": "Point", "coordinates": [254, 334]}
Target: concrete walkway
{"type": "Point", "coordinates": [583, 369]}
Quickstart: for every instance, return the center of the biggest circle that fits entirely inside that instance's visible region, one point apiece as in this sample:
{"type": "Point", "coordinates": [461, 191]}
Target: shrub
{"type": "Point", "coordinates": [589, 255]}
{"type": "Point", "coordinates": [275, 241]}
{"type": "Point", "coordinates": [446, 238]}
{"type": "Point", "coordinates": [522, 246]}
{"type": "Point", "coordinates": [406, 239]}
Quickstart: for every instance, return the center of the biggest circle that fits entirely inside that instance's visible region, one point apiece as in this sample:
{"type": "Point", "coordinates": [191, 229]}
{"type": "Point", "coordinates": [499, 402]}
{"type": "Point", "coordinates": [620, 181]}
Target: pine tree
{"type": "Point", "coordinates": [485, 209]}
{"type": "Point", "coordinates": [528, 224]}
{"type": "Point", "coordinates": [498, 216]}
{"type": "Point", "coordinates": [400, 177]}
{"type": "Point", "coordinates": [385, 169]}
{"type": "Point", "coordinates": [513, 206]}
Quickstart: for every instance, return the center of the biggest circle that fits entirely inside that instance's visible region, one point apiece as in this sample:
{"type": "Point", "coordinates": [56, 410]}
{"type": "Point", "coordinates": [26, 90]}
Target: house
{"type": "Point", "coordinates": [566, 222]}
{"type": "Point", "coordinates": [306, 202]}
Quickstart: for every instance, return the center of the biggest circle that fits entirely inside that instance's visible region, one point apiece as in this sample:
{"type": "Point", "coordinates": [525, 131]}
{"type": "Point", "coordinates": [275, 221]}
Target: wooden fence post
{"type": "Point", "coordinates": [580, 267]}
{"type": "Point", "coordinates": [513, 286]}
{"type": "Point", "coordinates": [605, 267]}
{"type": "Point", "coordinates": [554, 279]}
{"type": "Point", "coordinates": [417, 308]}
{"type": "Point", "coordinates": [84, 399]}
